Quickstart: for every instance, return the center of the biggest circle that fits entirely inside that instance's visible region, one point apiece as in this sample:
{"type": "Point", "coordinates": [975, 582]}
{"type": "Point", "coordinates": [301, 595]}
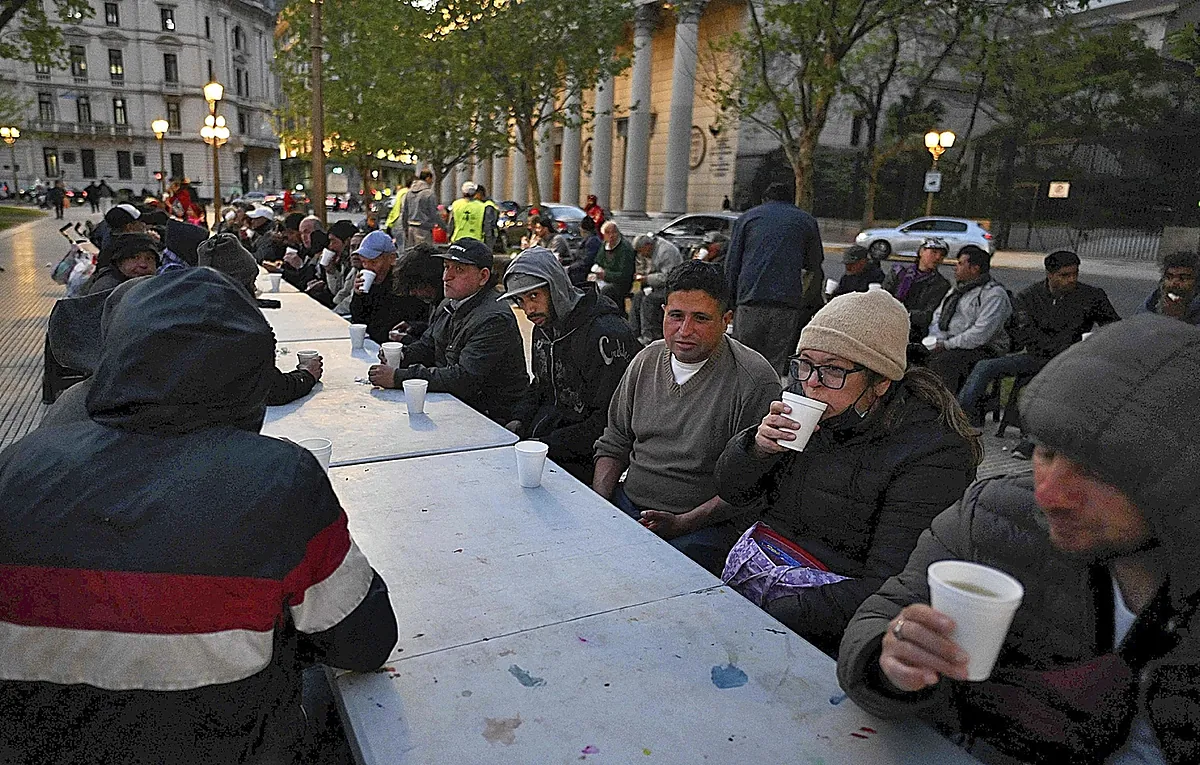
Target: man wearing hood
{"type": "Point", "coordinates": [126, 256]}
{"type": "Point", "coordinates": [1176, 294]}
{"type": "Point", "coordinates": [164, 614]}
{"type": "Point", "coordinates": [581, 347]}
{"type": "Point", "coordinates": [419, 214]}
{"type": "Point", "coordinates": [1102, 661]}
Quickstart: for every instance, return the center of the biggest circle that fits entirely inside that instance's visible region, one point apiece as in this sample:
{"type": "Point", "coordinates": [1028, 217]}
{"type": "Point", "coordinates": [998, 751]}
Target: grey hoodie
{"type": "Point", "coordinates": [419, 208]}
{"type": "Point", "coordinates": [541, 263]}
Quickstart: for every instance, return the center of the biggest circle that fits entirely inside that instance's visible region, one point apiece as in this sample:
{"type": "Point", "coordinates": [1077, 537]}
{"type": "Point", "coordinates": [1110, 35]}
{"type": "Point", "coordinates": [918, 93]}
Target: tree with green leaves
{"type": "Point", "coordinates": [29, 33]}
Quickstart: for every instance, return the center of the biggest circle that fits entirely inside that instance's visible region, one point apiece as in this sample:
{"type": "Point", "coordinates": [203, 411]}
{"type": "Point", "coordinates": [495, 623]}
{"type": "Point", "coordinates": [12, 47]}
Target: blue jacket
{"type": "Point", "coordinates": [770, 247]}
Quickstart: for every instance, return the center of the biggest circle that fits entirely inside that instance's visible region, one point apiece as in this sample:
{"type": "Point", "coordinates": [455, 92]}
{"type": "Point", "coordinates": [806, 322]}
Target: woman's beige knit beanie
{"type": "Point", "coordinates": [868, 328]}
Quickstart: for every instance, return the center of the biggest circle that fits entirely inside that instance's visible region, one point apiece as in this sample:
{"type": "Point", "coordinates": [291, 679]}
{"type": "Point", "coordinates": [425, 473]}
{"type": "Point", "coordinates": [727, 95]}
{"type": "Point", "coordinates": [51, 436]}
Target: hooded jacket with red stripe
{"type": "Point", "coordinates": [166, 571]}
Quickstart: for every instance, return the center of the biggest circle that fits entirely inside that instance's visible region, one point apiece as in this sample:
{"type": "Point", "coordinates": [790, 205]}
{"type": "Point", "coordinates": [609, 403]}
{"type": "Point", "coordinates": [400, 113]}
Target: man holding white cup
{"type": "Point", "coordinates": [374, 302]}
{"type": "Point", "coordinates": [1102, 661]}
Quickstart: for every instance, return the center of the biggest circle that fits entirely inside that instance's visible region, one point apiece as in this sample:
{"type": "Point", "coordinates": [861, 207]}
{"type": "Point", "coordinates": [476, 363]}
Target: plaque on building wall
{"type": "Point", "coordinates": [585, 155]}
{"type": "Point", "coordinates": [699, 148]}
{"type": "Point", "coordinates": [720, 164]}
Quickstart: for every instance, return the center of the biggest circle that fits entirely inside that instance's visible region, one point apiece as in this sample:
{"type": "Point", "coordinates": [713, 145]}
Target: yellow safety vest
{"type": "Point", "coordinates": [468, 219]}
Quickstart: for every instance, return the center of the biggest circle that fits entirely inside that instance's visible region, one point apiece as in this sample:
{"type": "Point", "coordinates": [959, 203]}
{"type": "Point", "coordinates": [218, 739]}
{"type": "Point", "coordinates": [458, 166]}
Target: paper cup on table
{"type": "Point", "coordinates": [358, 334]}
{"type": "Point", "coordinates": [414, 395]}
{"type": "Point", "coordinates": [291, 251]}
{"type": "Point", "coordinates": [531, 459]}
{"type": "Point", "coordinates": [981, 601]}
{"type": "Point", "coordinates": [275, 280]}
{"type": "Point", "coordinates": [805, 411]}
{"type": "Point", "coordinates": [831, 286]}
{"type": "Point", "coordinates": [326, 257]}
{"type": "Point", "coordinates": [322, 449]}
{"type": "Point", "coordinates": [307, 355]}
{"type": "Point", "coordinates": [874, 286]}
{"type": "Point", "coordinates": [368, 278]}
{"type": "Point", "coordinates": [393, 352]}
{"type": "Point", "coordinates": [929, 341]}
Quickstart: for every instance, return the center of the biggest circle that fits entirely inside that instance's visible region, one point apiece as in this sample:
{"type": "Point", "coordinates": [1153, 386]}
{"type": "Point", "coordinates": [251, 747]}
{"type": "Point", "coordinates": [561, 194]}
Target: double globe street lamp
{"type": "Point", "coordinates": [215, 134]}
{"type": "Point", "coordinates": [160, 128]}
{"type": "Point", "coordinates": [10, 136]}
{"type": "Point", "coordinates": [937, 143]}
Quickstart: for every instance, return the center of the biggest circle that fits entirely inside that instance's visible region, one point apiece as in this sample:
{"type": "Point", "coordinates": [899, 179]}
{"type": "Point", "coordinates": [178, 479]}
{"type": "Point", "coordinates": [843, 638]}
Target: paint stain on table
{"type": "Point", "coordinates": [526, 679]}
{"type": "Point", "coordinates": [501, 730]}
{"type": "Point", "coordinates": [729, 676]}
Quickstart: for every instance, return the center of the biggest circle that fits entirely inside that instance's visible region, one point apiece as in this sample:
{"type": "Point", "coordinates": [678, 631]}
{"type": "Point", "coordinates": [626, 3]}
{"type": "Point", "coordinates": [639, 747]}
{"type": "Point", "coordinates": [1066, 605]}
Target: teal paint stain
{"type": "Point", "coordinates": [526, 679]}
{"type": "Point", "coordinates": [729, 676]}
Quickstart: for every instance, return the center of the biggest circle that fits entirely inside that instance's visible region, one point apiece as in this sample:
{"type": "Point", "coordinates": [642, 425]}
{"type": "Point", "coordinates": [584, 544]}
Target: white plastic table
{"type": "Point", "coordinates": [299, 317]}
{"type": "Point", "coordinates": [369, 424]}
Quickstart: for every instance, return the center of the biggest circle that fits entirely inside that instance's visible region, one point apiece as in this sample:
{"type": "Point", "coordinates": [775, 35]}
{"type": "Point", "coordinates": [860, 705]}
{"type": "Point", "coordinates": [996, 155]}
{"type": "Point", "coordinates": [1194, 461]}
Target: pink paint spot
{"type": "Point", "coordinates": [858, 735]}
{"type": "Point", "coordinates": [865, 729]}
{"type": "Point", "coordinates": [589, 749]}
{"type": "Point", "coordinates": [582, 640]}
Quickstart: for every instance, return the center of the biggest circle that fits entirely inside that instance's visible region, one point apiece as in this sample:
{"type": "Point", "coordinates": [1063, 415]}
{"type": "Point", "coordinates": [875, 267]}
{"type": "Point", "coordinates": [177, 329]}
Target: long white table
{"type": "Point", "coordinates": [299, 317]}
{"type": "Point", "coordinates": [369, 424]}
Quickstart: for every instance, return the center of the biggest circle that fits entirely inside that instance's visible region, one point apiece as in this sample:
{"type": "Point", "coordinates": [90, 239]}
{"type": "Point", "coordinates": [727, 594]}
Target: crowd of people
{"type": "Point", "coordinates": [658, 380]}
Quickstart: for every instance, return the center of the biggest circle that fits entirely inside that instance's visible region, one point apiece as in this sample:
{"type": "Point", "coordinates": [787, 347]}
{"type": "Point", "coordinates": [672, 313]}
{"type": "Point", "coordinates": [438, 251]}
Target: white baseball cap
{"type": "Point", "coordinates": [468, 188]}
{"type": "Point", "coordinates": [261, 212]}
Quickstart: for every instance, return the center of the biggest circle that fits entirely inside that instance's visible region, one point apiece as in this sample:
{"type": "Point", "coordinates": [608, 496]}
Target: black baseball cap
{"type": "Point", "coordinates": [470, 251]}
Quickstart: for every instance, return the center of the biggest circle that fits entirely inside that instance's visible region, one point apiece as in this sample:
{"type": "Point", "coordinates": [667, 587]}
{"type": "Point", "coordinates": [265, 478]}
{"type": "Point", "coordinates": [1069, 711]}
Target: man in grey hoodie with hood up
{"type": "Point", "coordinates": [419, 213]}
{"type": "Point", "coordinates": [581, 347]}
{"type": "Point", "coordinates": [1102, 662]}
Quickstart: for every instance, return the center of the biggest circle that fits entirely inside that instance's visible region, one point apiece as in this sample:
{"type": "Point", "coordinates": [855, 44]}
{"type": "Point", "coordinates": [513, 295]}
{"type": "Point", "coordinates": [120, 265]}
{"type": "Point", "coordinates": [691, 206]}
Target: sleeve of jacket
{"type": "Point", "coordinates": [345, 296]}
{"type": "Point", "coordinates": [743, 479]}
{"type": "Point", "coordinates": [994, 310]}
{"type": "Point", "coordinates": [1102, 309]}
{"type": "Point", "coordinates": [604, 372]}
{"type": "Point", "coordinates": [482, 354]}
{"type": "Point", "coordinates": [527, 408]}
{"type": "Point", "coordinates": [617, 439]}
{"type": "Point", "coordinates": [338, 602]}
{"type": "Point", "coordinates": [420, 353]}
{"type": "Point", "coordinates": [814, 251]}
{"type": "Point", "coordinates": [404, 213]}
{"type": "Point", "coordinates": [858, 657]}
{"type": "Point", "coordinates": [921, 490]}
{"type": "Point", "coordinates": [1023, 327]}
{"type": "Point", "coordinates": [286, 387]}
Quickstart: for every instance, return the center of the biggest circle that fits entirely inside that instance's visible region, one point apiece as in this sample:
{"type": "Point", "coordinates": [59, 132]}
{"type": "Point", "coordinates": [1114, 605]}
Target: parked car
{"type": "Point", "coordinates": [903, 240]}
{"type": "Point", "coordinates": [687, 231]}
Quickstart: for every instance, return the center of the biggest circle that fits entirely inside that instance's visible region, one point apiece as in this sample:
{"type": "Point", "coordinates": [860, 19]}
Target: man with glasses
{"type": "Point", "coordinates": [919, 286]}
{"type": "Point", "coordinates": [678, 403]}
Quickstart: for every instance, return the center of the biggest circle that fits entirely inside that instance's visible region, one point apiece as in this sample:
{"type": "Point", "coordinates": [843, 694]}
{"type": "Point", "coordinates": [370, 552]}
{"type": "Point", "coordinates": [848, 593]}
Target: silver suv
{"type": "Point", "coordinates": [903, 240]}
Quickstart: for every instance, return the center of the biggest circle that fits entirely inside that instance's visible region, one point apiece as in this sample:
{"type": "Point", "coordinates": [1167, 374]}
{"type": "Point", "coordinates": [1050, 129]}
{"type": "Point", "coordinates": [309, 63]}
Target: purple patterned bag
{"type": "Point", "coordinates": [753, 572]}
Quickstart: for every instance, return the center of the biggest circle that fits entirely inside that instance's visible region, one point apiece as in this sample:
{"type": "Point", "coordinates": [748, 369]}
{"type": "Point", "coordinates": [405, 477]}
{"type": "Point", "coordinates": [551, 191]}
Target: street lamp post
{"type": "Point", "coordinates": [160, 128]}
{"type": "Point", "coordinates": [937, 143]}
{"type": "Point", "coordinates": [10, 136]}
{"type": "Point", "coordinates": [216, 134]}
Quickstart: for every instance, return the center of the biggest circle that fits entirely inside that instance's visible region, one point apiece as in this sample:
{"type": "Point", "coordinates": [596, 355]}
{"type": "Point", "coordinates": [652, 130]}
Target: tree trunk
{"type": "Point", "coordinates": [364, 172]}
{"type": "Point", "coordinates": [805, 152]}
{"type": "Point", "coordinates": [1004, 189]}
{"type": "Point", "coordinates": [872, 157]}
{"type": "Point", "coordinates": [529, 152]}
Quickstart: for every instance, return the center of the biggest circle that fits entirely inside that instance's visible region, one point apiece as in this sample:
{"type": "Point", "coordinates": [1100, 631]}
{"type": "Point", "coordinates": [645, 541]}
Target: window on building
{"type": "Point", "coordinates": [175, 124]}
{"type": "Point", "coordinates": [112, 14]}
{"type": "Point", "coordinates": [139, 159]}
{"type": "Point", "coordinates": [243, 123]}
{"type": "Point", "coordinates": [50, 161]}
{"type": "Point", "coordinates": [238, 77]}
{"type": "Point", "coordinates": [208, 28]}
{"type": "Point", "coordinates": [40, 68]}
{"type": "Point", "coordinates": [170, 67]}
{"type": "Point", "coordinates": [210, 72]}
{"type": "Point", "coordinates": [120, 116]}
{"type": "Point", "coordinates": [239, 38]}
{"type": "Point", "coordinates": [83, 110]}
{"type": "Point", "coordinates": [177, 166]}
{"type": "Point", "coordinates": [46, 107]}
{"type": "Point", "coordinates": [68, 157]}
{"type": "Point", "coordinates": [116, 65]}
{"type": "Point", "coordinates": [78, 61]}
{"type": "Point", "coordinates": [168, 19]}
{"type": "Point", "coordinates": [124, 166]}
{"type": "Point", "coordinates": [87, 161]}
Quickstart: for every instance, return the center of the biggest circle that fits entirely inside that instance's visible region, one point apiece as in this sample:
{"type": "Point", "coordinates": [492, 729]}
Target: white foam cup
{"type": "Point", "coordinates": [326, 257]}
{"type": "Point", "coordinates": [981, 614]}
{"type": "Point", "coordinates": [874, 286]}
{"type": "Point", "coordinates": [291, 251]}
{"type": "Point", "coordinates": [306, 355]}
{"type": "Point", "coordinates": [368, 278]}
{"type": "Point", "coordinates": [830, 286]}
{"type": "Point", "coordinates": [929, 341]}
{"type": "Point", "coordinates": [322, 449]}
{"type": "Point", "coordinates": [1085, 335]}
{"type": "Point", "coordinates": [275, 279]}
{"type": "Point", "coordinates": [414, 395]}
{"type": "Point", "coordinates": [393, 352]}
{"type": "Point", "coordinates": [358, 333]}
{"type": "Point", "coordinates": [807, 413]}
{"type": "Point", "coordinates": [531, 459]}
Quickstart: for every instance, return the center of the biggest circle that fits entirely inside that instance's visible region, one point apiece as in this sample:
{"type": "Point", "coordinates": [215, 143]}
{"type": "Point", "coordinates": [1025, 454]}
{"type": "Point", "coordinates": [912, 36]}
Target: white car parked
{"type": "Point", "coordinates": [903, 240]}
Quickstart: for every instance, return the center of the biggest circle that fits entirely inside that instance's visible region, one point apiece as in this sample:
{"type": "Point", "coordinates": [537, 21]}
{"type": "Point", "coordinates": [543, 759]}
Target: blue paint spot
{"type": "Point", "coordinates": [837, 698]}
{"type": "Point", "coordinates": [526, 679]}
{"type": "Point", "coordinates": [729, 676]}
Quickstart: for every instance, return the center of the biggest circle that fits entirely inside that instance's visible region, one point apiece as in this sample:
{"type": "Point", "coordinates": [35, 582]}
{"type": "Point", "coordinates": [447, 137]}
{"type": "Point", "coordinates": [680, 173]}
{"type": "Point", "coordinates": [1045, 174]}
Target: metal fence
{"type": "Point", "coordinates": [1108, 243]}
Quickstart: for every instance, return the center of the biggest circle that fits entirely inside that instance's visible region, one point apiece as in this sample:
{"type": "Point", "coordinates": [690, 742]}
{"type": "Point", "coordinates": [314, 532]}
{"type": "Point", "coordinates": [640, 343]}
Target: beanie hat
{"type": "Point", "coordinates": [868, 328]}
{"type": "Point", "coordinates": [121, 215]}
{"type": "Point", "coordinates": [343, 230]}
{"type": "Point", "coordinates": [226, 254]}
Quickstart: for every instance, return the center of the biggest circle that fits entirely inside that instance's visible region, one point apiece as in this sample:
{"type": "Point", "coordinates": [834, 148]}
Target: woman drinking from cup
{"type": "Point", "coordinates": [891, 450]}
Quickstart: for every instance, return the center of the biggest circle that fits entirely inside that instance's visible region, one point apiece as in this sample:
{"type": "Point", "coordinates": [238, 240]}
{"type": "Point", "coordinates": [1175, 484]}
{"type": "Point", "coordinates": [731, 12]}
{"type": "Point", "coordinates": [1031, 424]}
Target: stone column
{"type": "Point", "coordinates": [483, 174]}
{"type": "Point", "coordinates": [683, 88]}
{"type": "Point", "coordinates": [446, 192]}
{"type": "Point", "coordinates": [520, 178]}
{"type": "Point", "coordinates": [545, 160]}
{"type": "Point", "coordinates": [637, 152]}
{"type": "Point", "coordinates": [570, 157]}
{"type": "Point", "coordinates": [602, 145]}
{"type": "Point", "coordinates": [499, 178]}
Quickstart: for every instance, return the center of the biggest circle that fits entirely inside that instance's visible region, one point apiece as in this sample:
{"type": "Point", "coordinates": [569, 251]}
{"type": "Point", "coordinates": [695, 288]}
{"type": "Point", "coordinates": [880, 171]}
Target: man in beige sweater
{"type": "Point", "coordinates": [680, 401]}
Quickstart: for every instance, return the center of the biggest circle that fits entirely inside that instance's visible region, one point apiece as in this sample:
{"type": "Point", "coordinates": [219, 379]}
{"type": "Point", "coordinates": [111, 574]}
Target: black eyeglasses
{"type": "Point", "coordinates": [831, 377]}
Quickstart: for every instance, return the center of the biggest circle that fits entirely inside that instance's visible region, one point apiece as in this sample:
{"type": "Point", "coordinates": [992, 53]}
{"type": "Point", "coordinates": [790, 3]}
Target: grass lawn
{"type": "Point", "coordinates": [13, 216]}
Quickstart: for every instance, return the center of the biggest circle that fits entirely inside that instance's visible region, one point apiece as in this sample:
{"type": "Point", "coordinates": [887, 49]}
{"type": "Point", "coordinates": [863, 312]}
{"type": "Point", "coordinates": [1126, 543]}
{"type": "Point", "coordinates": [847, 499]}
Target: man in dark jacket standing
{"type": "Point", "coordinates": [163, 614]}
{"type": "Point", "coordinates": [581, 348]}
{"type": "Point", "coordinates": [472, 347]}
{"type": "Point", "coordinates": [1103, 656]}
{"type": "Point", "coordinates": [775, 274]}
{"type": "Point", "coordinates": [919, 286]}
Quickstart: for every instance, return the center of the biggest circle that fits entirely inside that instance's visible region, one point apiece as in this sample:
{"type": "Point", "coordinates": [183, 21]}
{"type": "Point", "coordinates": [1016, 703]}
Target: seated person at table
{"type": "Point", "coordinates": [656, 256]}
{"type": "Point", "coordinates": [1176, 295]}
{"type": "Point", "coordinates": [127, 256]}
{"type": "Point", "coordinates": [380, 308]}
{"type": "Point", "coordinates": [137, 625]}
{"type": "Point", "coordinates": [345, 294]}
{"type": "Point", "coordinates": [581, 347]}
{"type": "Point", "coordinates": [968, 325]}
{"type": "Point", "coordinates": [861, 271]}
{"type": "Point", "coordinates": [919, 286]}
{"type": "Point", "coordinates": [419, 281]}
{"type": "Point", "coordinates": [893, 450]}
{"type": "Point", "coordinates": [680, 400]}
{"type": "Point", "coordinates": [328, 280]}
{"type": "Point", "coordinates": [1048, 317]}
{"type": "Point", "coordinates": [1102, 661]}
{"type": "Point", "coordinates": [472, 347]}
{"type": "Point", "coordinates": [300, 269]}
{"type": "Point", "coordinates": [271, 246]}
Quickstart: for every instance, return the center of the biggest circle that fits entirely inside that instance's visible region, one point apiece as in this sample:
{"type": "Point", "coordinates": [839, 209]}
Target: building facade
{"type": "Point", "coordinates": [136, 61]}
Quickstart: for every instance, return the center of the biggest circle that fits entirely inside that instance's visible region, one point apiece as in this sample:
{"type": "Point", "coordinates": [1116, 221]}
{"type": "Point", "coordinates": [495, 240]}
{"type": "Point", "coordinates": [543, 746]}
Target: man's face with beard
{"type": "Point", "coordinates": [1088, 517]}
